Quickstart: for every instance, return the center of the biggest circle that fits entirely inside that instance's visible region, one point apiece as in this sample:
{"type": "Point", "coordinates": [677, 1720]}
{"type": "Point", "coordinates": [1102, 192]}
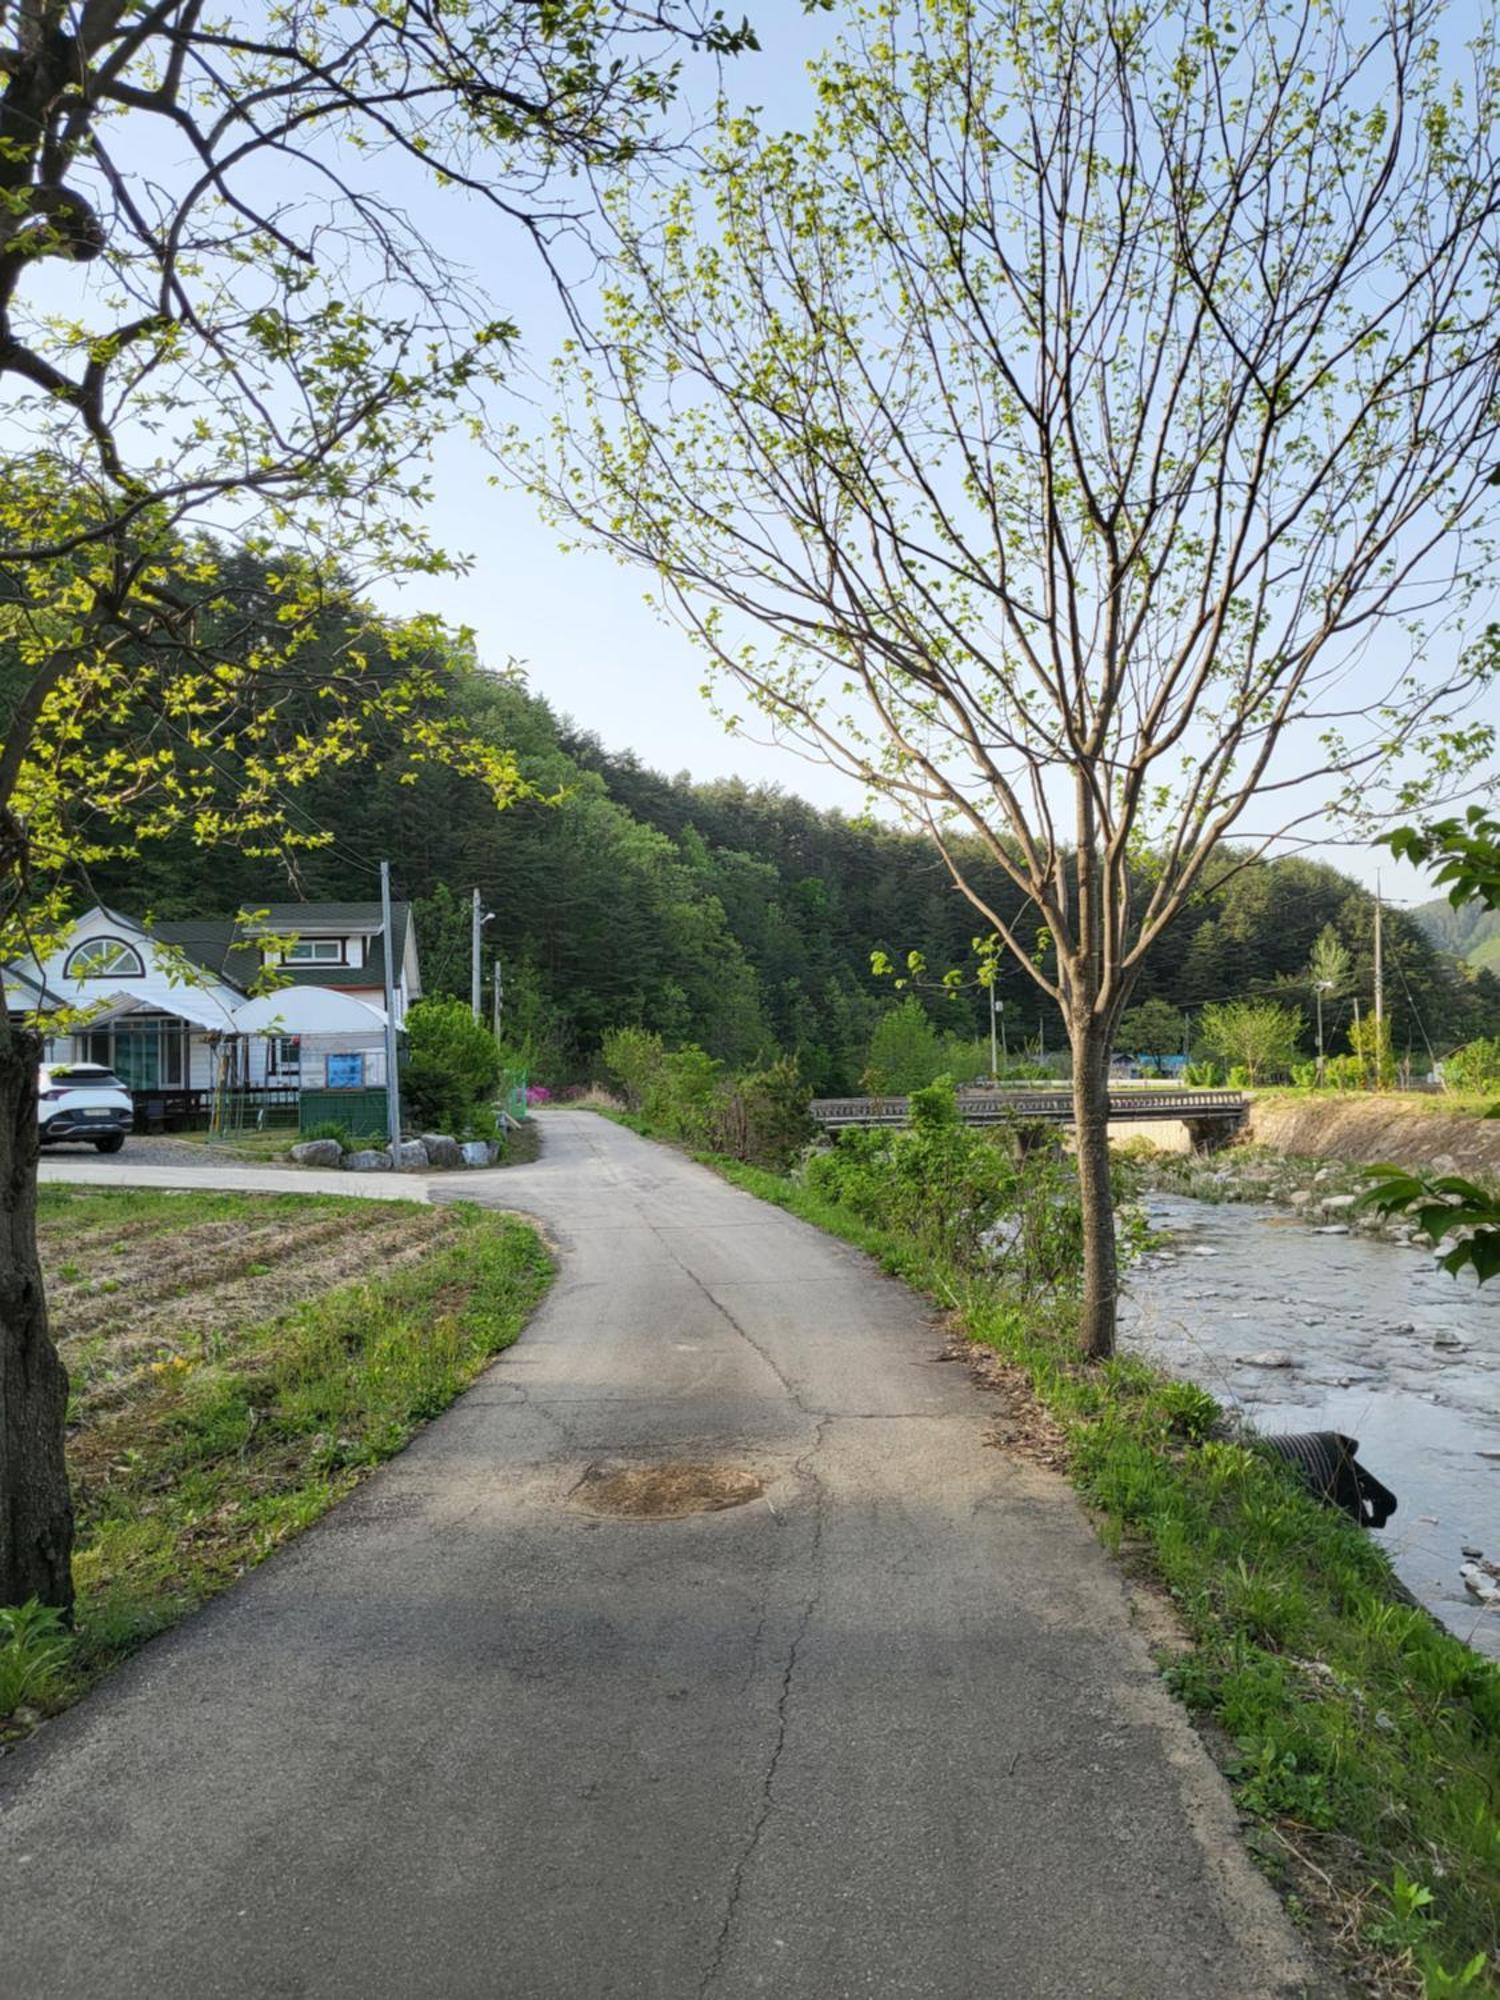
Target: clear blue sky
{"type": "Point", "coordinates": [578, 621]}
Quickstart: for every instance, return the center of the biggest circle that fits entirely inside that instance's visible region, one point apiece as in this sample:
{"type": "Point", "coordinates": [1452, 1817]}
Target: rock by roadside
{"type": "Point", "coordinates": [434, 1151]}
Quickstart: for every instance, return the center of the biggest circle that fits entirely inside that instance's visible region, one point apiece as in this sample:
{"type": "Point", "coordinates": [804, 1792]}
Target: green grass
{"type": "Point", "coordinates": [1365, 1740]}
{"type": "Point", "coordinates": [189, 1468]}
{"type": "Point", "coordinates": [1431, 1103]}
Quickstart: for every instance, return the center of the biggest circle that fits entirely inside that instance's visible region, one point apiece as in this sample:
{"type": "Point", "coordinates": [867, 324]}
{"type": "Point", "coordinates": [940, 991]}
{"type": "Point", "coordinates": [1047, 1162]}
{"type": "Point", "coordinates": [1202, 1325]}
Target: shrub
{"type": "Point", "coordinates": [763, 1118]}
{"type": "Point", "coordinates": [1305, 1075]}
{"type": "Point", "coordinates": [453, 1065]}
{"type": "Point", "coordinates": [34, 1649]}
{"type": "Point", "coordinates": [330, 1128]}
{"type": "Point", "coordinates": [680, 1097]}
{"type": "Point", "coordinates": [1345, 1072]}
{"type": "Point", "coordinates": [632, 1058]}
{"type": "Point", "coordinates": [1476, 1066]}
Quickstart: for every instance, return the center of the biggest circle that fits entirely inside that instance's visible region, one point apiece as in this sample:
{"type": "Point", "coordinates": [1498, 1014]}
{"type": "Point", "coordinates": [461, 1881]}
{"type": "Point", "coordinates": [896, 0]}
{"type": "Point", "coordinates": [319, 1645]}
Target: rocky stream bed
{"type": "Point", "coordinates": [1292, 1306]}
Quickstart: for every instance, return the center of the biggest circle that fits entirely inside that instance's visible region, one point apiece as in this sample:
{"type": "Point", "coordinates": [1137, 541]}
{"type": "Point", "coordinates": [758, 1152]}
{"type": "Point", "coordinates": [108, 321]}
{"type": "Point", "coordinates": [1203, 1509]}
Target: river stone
{"type": "Point", "coordinates": [318, 1153]}
{"type": "Point", "coordinates": [442, 1151]}
{"type": "Point", "coordinates": [1333, 1203]}
{"type": "Point", "coordinates": [373, 1161]}
{"type": "Point", "coordinates": [475, 1152]}
{"type": "Point", "coordinates": [1332, 1229]}
{"type": "Point", "coordinates": [411, 1156]}
{"type": "Point", "coordinates": [1301, 1198]}
{"type": "Point", "coordinates": [1278, 1360]}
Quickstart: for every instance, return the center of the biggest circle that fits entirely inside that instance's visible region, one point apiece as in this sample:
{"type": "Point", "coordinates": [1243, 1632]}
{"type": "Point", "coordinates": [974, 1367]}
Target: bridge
{"type": "Point", "coordinates": [1210, 1115]}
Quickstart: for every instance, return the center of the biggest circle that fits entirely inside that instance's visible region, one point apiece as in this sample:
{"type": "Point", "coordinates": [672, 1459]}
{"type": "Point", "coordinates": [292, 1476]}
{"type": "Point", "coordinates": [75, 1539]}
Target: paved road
{"type": "Point", "coordinates": [886, 1731]}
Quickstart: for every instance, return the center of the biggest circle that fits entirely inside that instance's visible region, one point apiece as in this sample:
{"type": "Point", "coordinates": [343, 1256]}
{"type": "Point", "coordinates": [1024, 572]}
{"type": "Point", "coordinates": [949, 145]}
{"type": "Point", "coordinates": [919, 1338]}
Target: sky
{"type": "Point", "coordinates": [578, 622]}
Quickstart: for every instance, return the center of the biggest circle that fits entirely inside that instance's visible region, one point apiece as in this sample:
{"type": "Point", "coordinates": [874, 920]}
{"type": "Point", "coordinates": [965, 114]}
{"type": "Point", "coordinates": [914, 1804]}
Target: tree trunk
{"type": "Point", "coordinates": [36, 1513]}
{"type": "Point", "coordinates": [1091, 1145]}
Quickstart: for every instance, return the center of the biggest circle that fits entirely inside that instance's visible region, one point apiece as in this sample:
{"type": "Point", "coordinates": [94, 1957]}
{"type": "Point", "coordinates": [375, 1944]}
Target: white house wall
{"type": "Point", "coordinates": [160, 988]}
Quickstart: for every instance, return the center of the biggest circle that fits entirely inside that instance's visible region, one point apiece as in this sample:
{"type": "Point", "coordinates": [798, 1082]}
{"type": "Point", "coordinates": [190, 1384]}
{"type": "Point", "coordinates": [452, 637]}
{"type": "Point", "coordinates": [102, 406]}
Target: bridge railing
{"type": "Point", "coordinates": [1049, 1106]}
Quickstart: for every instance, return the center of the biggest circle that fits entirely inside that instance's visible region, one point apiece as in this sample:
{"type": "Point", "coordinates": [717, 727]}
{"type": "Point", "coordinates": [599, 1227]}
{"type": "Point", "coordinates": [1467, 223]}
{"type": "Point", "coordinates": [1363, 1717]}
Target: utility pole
{"type": "Point", "coordinates": [994, 1043]}
{"type": "Point", "coordinates": [392, 1075]}
{"type": "Point", "coordinates": [498, 999]}
{"type": "Point", "coordinates": [1379, 984]}
{"type": "Point", "coordinates": [475, 923]}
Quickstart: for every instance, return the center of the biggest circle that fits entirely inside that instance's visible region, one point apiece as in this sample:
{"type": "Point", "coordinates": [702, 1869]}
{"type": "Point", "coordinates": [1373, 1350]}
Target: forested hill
{"type": "Point", "coordinates": [737, 916]}
{"type": "Point", "coordinates": [1468, 932]}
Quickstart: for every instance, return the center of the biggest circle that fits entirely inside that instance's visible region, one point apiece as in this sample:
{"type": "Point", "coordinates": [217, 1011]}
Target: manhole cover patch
{"type": "Point", "coordinates": [665, 1492]}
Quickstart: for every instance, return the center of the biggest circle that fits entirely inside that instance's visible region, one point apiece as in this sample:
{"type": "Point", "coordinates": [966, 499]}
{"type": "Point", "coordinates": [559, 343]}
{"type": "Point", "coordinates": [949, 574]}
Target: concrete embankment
{"type": "Point", "coordinates": [1418, 1135]}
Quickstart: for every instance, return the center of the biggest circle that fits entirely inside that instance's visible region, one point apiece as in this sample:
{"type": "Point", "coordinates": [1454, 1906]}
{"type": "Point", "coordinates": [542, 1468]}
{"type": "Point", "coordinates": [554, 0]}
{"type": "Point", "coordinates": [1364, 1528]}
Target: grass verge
{"type": "Point", "coordinates": [227, 1388]}
{"type": "Point", "coordinates": [1362, 1741]}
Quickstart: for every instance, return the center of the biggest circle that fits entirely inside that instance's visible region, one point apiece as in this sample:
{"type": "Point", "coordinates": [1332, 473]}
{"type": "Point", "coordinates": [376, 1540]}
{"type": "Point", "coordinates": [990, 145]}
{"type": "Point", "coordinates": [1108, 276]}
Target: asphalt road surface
{"type": "Point", "coordinates": [887, 1728]}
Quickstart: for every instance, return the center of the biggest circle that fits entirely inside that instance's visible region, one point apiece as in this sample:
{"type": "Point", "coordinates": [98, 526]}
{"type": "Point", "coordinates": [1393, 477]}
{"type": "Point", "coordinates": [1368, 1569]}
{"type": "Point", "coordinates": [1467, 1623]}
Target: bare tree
{"type": "Point", "coordinates": [217, 320]}
{"type": "Point", "coordinates": [1073, 437]}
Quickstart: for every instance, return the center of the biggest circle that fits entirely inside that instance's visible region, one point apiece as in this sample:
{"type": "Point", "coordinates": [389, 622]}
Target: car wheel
{"type": "Point", "coordinates": [110, 1145]}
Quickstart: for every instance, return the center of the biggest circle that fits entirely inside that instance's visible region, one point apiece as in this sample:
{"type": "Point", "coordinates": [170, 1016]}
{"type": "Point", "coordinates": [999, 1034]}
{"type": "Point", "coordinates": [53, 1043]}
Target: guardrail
{"type": "Point", "coordinates": [1053, 1107]}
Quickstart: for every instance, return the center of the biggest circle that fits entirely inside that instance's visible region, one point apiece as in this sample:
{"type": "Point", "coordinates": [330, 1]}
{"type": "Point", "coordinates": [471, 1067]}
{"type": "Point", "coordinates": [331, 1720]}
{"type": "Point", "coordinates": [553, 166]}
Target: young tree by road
{"type": "Point", "coordinates": [1328, 974]}
{"type": "Point", "coordinates": [1049, 435]}
{"type": "Point", "coordinates": [256, 341]}
{"type": "Point", "coordinates": [1256, 1036]}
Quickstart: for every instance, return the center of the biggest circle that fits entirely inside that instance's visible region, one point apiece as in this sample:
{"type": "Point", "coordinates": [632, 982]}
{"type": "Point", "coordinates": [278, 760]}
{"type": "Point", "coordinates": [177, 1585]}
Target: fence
{"type": "Point", "coordinates": [513, 1094]}
{"type": "Point", "coordinates": [207, 1110]}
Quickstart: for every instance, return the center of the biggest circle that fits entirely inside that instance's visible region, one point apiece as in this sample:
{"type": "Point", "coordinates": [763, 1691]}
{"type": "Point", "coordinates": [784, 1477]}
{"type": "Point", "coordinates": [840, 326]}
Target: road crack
{"type": "Point", "coordinates": [806, 1468]}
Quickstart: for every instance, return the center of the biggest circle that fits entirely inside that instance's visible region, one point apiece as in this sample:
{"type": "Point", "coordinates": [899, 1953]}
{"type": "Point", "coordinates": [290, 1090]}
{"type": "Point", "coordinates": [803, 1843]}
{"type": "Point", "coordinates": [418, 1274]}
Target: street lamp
{"type": "Point", "coordinates": [997, 1029]}
{"type": "Point", "coordinates": [480, 917]}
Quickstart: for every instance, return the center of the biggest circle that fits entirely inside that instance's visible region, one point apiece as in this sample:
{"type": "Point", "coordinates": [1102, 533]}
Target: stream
{"type": "Point", "coordinates": [1386, 1348]}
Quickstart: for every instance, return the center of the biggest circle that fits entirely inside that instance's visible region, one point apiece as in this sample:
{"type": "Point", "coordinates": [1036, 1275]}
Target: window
{"type": "Point", "coordinates": [314, 951]}
{"type": "Point", "coordinates": [285, 1056]}
{"type": "Point", "coordinates": [104, 958]}
{"type": "Point", "coordinates": [173, 1039]}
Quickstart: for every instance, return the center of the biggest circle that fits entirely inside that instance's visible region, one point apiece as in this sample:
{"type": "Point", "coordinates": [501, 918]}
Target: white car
{"type": "Point", "coordinates": [83, 1104]}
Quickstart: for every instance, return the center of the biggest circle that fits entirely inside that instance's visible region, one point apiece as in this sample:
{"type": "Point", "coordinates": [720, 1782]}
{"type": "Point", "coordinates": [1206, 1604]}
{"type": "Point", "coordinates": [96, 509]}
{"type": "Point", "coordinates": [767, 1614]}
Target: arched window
{"type": "Point", "coordinates": [104, 958]}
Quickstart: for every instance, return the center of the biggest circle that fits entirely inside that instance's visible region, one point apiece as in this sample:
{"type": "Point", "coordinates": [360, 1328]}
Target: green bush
{"type": "Point", "coordinates": [34, 1649]}
{"type": "Point", "coordinates": [1476, 1066]}
{"type": "Point", "coordinates": [1345, 1073]}
{"type": "Point", "coordinates": [330, 1128]}
{"type": "Point", "coordinates": [907, 1051]}
{"type": "Point", "coordinates": [1305, 1075]}
{"type": "Point", "coordinates": [680, 1099]}
{"type": "Point", "coordinates": [632, 1059]}
{"type": "Point", "coordinates": [763, 1118]}
{"type": "Point", "coordinates": [971, 1198]}
{"type": "Point", "coordinates": [453, 1065]}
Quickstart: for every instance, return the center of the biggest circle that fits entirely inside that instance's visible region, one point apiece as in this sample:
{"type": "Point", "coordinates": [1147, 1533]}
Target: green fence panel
{"type": "Point", "coordinates": [513, 1093]}
{"type": "Point", "coordinates": [361, 1112]}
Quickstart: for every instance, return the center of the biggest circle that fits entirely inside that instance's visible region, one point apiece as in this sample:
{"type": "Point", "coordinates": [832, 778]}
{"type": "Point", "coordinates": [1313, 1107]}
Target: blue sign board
{"type": "Point", "coordinates": [344, 1072]}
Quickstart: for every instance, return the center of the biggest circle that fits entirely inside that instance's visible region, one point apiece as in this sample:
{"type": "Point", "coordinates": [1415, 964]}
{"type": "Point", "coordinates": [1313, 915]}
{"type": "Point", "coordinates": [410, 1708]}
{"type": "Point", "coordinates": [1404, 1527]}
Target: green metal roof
{"type": "Point", "coordinates": [220, 944]}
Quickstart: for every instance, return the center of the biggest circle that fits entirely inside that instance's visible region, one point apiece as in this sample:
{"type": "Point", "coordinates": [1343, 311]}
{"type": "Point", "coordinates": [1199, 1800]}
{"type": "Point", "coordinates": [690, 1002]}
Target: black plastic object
{"type": "Point", "coordinates": [1326, 1461]}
